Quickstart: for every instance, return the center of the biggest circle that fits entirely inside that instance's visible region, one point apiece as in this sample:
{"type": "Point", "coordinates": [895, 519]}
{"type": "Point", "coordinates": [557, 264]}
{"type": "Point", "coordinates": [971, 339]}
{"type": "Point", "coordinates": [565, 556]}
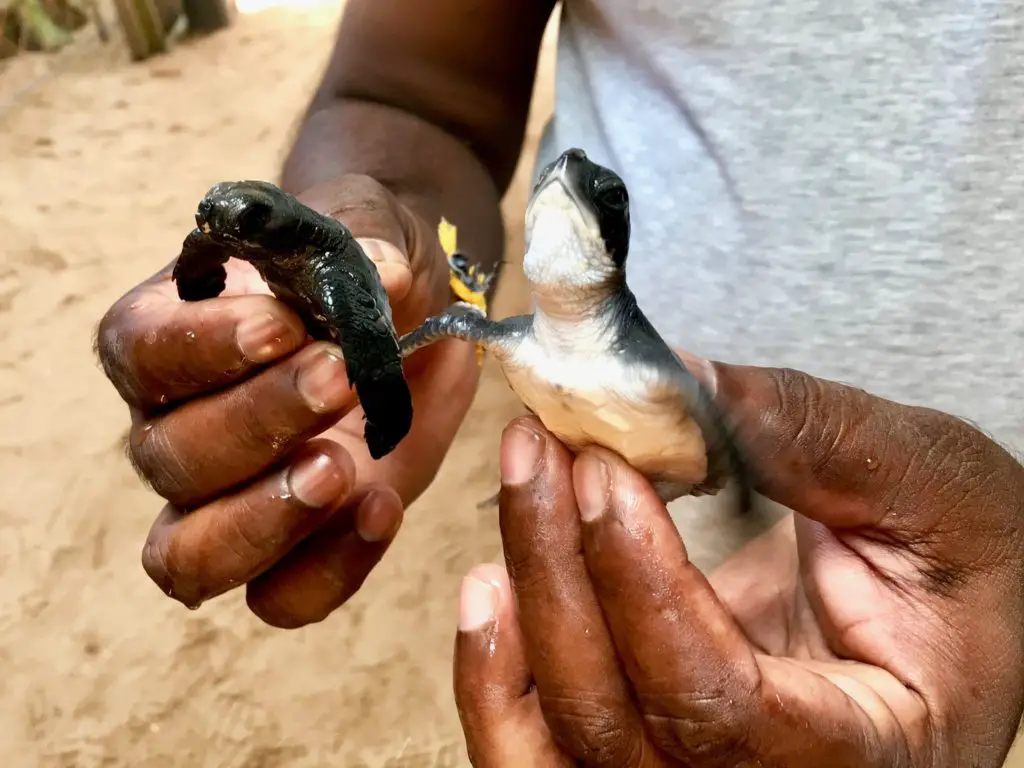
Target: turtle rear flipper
{"type": "Point", "coordinates": [360, 323]}
{"type": "Point", "coordinates": [387, 403]}
{"type": "Point", "coordinates": [199, 271]}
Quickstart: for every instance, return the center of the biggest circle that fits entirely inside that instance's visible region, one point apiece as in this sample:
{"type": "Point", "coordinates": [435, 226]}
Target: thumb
{"type": "Point", "coordinates": [393, 265]}
{"type": "Point", "coordinates": [846, 458]}
{"type": "Point", "coordinates": [398, 241]}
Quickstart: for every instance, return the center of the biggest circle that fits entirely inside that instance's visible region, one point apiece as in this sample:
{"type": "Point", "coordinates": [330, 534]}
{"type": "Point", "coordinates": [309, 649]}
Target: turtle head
{"type": "Point", "coordinates": [253, 213]}
{"type": "Point", "coordinates": [577, 225]}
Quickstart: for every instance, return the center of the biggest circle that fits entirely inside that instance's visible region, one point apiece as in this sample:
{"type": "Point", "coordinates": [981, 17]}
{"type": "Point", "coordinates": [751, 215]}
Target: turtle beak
{"type": "Point", "coordinates": [571, 159]}
{"type": "Point", "coordinates": [562, 185]}
{"type": "Point", "coordinates": [567, 173]}
{"type": "Point", "coordinates": [564, 170]}
{"type": "Point", "coordinates": [203, 214]}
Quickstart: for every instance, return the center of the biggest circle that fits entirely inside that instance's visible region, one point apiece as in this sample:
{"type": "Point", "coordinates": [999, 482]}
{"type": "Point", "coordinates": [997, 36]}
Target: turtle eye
{"type": "Point", "coordinates": [253, 217]}
{"type": "Point", "coordinates": [613, 196]}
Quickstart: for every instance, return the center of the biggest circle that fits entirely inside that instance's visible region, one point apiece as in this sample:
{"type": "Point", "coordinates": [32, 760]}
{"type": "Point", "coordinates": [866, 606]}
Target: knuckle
{"type": "Point", "coordinates": [154, 563]}
{"type": "Point", "coordinates": [113, 349]}
{"type": "Point", "coordinates": [369, 209]}
{"type": "Point", "coordinates": [971, 483]}
{"type": "Point", "coordinates": [591, 728]}
{"type": "Point", "coordinates": [950, 453]}
{"type": "Point", "coordinates": [830, 425]}
{"type": "Point", "coordinates": [103, 345]}
{"type": "Point", "coordinates": [131, 442]}
{"type": "Point", "coordinates": [707, 730]}
{"type": "Point", "coordinates": [526, 572]}
{"type": "Point", "coordinates": [266, 421]}
{"type": "Point", "coordinates": [265, 429]}
{"type": "Point", "coordinates": [366, 187]}
{"type": "Point", "coordinates": [246, 547]}
{"type": "Point", "coordinates": [357, 192]}
{"type": "Point", "coordinates": [163, 564]}
{"type": "Point", "coordinates": [158, 461]}
{"type": "Point", "coordinates": [811, 423]}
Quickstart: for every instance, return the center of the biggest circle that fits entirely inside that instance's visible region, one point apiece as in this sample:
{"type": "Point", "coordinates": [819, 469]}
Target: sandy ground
{"type": "Point", "coordinates": [100, 171]}
{"type": "Point", "coordinates": [99, 174]}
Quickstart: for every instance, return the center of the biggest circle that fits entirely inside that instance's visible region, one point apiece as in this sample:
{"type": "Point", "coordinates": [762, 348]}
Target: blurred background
{"type": "Point", "coordinates": [115, 117]}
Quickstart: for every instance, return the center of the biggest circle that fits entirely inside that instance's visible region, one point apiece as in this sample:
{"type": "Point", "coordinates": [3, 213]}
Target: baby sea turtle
{"type": "Point", "coordinates": [314, 264]}
{"type": "Point", "coordinates": [587, 362]}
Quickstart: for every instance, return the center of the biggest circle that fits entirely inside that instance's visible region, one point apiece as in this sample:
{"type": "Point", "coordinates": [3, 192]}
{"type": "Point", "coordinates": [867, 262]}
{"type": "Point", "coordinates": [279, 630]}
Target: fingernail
{"type": "Point", "coordinates": [520, 456]}
{"type": "Point", "coordinates": [316, 481]}
{"type": "Point", "coordinates": [702, 369]}
{"type": "Point", "coordinates": [478, 602]}
{"type": "Point", "coordinates": [590, 478]}
{"type": "Point", "coordinates": [378, 517]}
{"type": "Point", "coordinates": [262, 338]}
{"type": "Point", "coordinates": [323, 382]}
{"type": "Point", "coordinates": [383, 252]}
{"type": "Point", "coordinates": [392, 265]}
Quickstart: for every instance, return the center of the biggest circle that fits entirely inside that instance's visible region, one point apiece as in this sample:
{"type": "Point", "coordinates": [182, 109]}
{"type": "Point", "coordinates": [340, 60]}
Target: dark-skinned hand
{"type": "Point", "coordinates": [282, 498]}
{"type": "Point", "coordinates": [881, 625]}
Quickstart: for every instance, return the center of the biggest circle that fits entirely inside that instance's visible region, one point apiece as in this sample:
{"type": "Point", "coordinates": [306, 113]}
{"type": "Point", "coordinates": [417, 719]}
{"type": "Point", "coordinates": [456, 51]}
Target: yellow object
{"type": "Point", "coordinates": [467, 294]}
{"type": "Point", "coordinates": [466, 285]}
{"type": "Point", "coordinates": [449, 237]}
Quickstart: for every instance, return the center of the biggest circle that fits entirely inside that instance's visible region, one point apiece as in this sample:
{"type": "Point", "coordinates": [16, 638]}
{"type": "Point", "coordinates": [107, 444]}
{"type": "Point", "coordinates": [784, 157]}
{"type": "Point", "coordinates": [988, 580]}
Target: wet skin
{"type": "Point", "coordinates": [314, 264]}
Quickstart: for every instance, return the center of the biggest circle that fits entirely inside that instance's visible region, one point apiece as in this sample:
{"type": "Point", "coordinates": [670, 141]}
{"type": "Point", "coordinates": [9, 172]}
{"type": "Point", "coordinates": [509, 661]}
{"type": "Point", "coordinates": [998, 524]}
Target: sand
{"type": "Point", "coordinates": [100, 171]}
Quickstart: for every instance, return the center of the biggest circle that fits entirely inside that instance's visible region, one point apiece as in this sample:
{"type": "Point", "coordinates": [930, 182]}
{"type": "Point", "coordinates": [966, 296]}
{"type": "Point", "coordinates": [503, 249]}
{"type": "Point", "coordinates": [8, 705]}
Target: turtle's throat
{"type": "Point", "coordinates": [574, 321]}
{"type": "Point", "coordinates": [574, 303]}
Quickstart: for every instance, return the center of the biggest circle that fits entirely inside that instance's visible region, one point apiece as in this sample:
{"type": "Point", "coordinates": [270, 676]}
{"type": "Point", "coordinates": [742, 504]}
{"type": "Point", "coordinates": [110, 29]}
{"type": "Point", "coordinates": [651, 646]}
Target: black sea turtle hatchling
{"type": "Point", "coordinates": [587, 362]}
{"type": "Point", "coordinates": [314, 264]}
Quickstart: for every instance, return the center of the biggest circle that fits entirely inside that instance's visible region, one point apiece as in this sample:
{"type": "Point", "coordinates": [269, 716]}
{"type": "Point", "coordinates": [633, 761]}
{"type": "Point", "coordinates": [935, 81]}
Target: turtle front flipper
{"type": "Point", "coordinates": [199, 271]}
{"type": "Point", "coordinates": [466, 322]}
{"type": "Point", "coordinates": [360, 323]}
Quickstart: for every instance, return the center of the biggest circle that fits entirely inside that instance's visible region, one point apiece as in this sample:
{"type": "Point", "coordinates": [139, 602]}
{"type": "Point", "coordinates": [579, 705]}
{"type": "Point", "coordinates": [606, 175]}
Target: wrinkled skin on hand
{"type": "Point", "coordinates": [253, 437]}
{"type": "Point", "coordinates": [880, 625]}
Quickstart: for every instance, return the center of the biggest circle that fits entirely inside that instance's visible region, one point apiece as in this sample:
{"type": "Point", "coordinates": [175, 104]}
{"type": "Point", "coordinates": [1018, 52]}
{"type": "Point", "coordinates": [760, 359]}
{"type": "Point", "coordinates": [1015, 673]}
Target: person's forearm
{"type": "Point", "coordinates": [429, 170]}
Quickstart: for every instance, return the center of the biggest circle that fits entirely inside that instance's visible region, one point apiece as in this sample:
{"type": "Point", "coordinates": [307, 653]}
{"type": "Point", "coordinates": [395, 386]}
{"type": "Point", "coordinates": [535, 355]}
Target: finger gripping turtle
{"type": "Point", "coordinates": [314, 264]}
{"type": "Point", "coordinates": [587, 362]}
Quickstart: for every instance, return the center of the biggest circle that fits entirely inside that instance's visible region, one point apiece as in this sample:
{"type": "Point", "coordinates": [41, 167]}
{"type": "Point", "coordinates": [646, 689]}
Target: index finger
{"type": "Point", "coordinates": [157, 350]}
{"type": "Point", "coordinates": [584, 696]}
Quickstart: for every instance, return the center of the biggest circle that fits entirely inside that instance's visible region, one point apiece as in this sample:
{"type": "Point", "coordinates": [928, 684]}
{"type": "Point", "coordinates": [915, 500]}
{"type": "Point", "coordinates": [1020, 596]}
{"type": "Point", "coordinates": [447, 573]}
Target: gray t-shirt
{"type": "Point", "coordinates": [834, 187]}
